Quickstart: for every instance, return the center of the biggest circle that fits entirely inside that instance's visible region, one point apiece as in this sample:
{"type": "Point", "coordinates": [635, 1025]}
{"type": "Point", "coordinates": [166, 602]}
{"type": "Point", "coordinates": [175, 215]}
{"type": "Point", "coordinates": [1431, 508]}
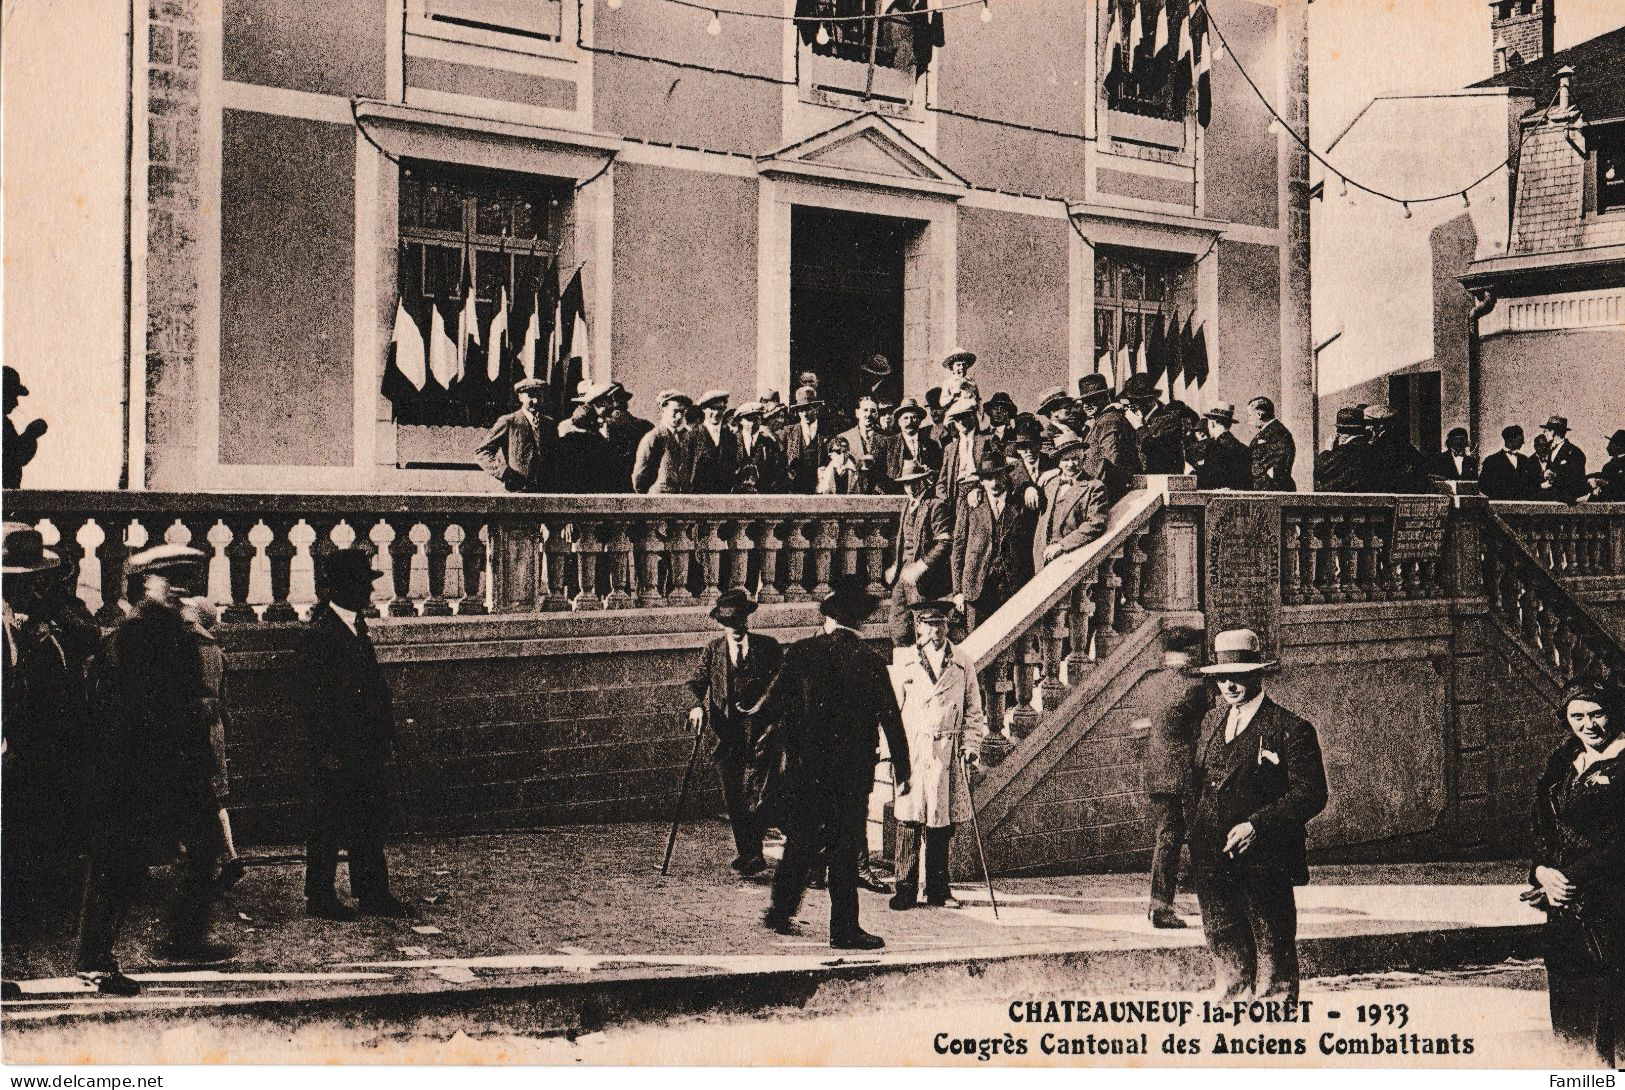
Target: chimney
{"type": "Point", "coordinates": [1521, 32]}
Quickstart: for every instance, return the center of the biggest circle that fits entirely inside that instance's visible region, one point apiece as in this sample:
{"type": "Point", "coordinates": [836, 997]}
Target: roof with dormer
{"type": "Point", "coordinates": [1599, 76]}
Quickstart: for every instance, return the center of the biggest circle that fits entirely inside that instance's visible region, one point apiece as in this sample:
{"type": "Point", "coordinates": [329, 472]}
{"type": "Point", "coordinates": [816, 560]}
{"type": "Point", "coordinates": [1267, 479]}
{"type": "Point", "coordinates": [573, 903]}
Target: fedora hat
{"type": "Point", "coordinates": [673, 395]}
{"type": "Point", "coordinates": [1350, 420]}
{"type": "Point", "coordinates": [1091, 387]}
{"type": "Point", "coordinates": [806, 398]}
{"type": "Point", "coordinates": [1140, 385]}
{"type": "Point", "coordinates": [593, 392]}
{"type": "Point", "coordinates": [959, 355]}
{"type": "Point", "coordinates": [770, 398]}
{"type": "Point", "coordinates": [14, 382]}
{"type": "Point", "coordinates": [1377, 414]}
{"type": "Point", "coordinates": [911, 470]}
{"type": "Point", "coordinates": [1224, 413]}
{"type": "Point", "coordinates": [734, 604]}
{"type": "Point", "coordinates": [1002, 398]}
{"type": "Point", "coordinates": [1559, 424]}
{"type": "Point", "coordinates": [164, 558]}
{"type": "Point", "coordinates": [619, 392]}
{"type": "Point", "coordinates": [1075, 445]}
{"type": "Point", "coordinates": [876, 366]}
{"type": "Point", "coordinates": [1052, 398]}
{"type": "Point", "coordinates": [1237, 651]}
{"type": "Point", "coordinates": [23, 550]}
{"type": "Point", "coordinates": [711, 397]}
{"type": "Point", "coordinates": [527, 385]}
{"type": "Point", "coordinates": [349, 567]}
{"type": "Point", "coordinates": [991, 463]}
{"type": "Point", "coordinates": [909, 405]}
{"type": "Point", "coordinates": [1617, 437]}
{"type": "Point", "coordinates": [849, 603]}
{"type": "Point", "coordinates": [938, 608]}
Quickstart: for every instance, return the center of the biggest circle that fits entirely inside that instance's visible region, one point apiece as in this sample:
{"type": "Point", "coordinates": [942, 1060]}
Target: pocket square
{"type": "Point", "coordinates": [1268, 755]}
{"type": "Point", "coordinates": [1602, 777]}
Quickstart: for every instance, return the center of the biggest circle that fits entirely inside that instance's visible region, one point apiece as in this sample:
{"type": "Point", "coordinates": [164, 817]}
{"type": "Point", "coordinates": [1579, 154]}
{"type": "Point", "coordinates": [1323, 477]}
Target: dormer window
{"type": "Point", "coordinates": [1610, 144]}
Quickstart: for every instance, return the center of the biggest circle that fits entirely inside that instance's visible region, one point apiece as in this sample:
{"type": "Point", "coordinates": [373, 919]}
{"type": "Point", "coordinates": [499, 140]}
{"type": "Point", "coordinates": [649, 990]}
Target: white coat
{"type": "Point", "coordinates": [943, 721]}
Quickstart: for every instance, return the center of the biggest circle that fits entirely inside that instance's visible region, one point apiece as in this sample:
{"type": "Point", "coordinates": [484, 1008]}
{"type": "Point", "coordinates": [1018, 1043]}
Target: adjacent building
{"type": "Point", "coordinates": [744, 198]}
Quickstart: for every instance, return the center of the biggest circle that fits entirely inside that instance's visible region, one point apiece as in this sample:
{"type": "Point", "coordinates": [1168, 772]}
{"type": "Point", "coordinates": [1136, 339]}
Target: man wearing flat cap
{"type": "Point", "coordinates": [520, 451]}
{"type": "Point", "coordinates": [1259, 780]}
{"type": "Point", "coordinates": [1342, 466]}
{"type": "Point", "coordinates": [731, 686]}
{"type": "Point", "coordinates": [153, 766]}
{"type": "Point", "coordinates": [1563, 467]}
{"type": "Point", "coordinates": [713, 455]}
{"type": "Point", "coordinates": [662, 464]}
{"type": "Point", "coordinates": [832, 703]}
{"type": "Point", "coordinates": [344, 704]}
{"type": "Point", "coordinates": [1394, 464]}
{"type": "Point", "coordinates": [940, 700]}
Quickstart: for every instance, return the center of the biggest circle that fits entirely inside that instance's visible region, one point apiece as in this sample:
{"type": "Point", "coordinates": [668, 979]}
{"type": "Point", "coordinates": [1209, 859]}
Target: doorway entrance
{"type": "Point", "coordinates": [1417, 405]}
{"type": "Point", "coordinates": [846, 303]}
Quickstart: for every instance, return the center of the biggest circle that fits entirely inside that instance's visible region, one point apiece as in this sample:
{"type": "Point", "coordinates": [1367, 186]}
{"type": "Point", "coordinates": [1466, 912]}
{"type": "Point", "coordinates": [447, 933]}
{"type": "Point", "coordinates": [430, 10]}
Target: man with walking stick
{"type": "Point", "coordinates": [730, 686]}
{"type": "Point", "coordinates": [831, 704]}
{"type": "Point", "coordinates": [941, 705]}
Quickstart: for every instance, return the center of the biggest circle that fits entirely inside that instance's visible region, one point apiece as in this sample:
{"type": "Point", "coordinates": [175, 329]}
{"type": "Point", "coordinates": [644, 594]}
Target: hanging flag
{"type": "Point", "coordinates": [1122, 366]}
{"type": "Point", "coordinates": [1136, 35]}
{"type": "Point", "coordinates": [1204, 82]}
{"type": "Point", "coordinates": [1160, 41]}
{"type": "Point", "coordinates": [1176, 353]}
{"type": "Point", "coordinates": [1114, 44]}
{"type": "Point", "coordinates": [1199, 370]}
{"type": "Point", "coordinates": [1184, 67]}
{"type": "Point", "coordinates": [442, 349]}
{"type": "Point", "coordinates": [1142, 351]}
{"type": "Point", "coordinates": [404, 370]}
{"type": "Point", "coordinates": [496, 338]}
{"type": "Point", "coordinates": [532, 334]}
{"type": "Point", "coordinates": [1155, 354]}
{"type": "Point", "coordinates": [468, 319]}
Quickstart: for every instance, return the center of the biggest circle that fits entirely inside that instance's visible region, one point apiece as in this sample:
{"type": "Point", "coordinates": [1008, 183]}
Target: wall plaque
{"type": "Point", "coordinates": [1244, 568]}
{"type": "Point", "coordinates": [1418, 528]}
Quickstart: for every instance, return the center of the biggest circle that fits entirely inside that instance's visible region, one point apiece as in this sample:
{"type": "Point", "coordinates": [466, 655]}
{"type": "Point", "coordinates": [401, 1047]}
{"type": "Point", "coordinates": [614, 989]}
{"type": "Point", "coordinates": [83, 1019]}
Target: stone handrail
{"type": "Point", "coordinates": [1571, 541]}
{"type": "Point", "coordinates": [1530, 600]}
{"type": "Point", "coordinates": [1339, 548]}
{"type": "Point", "coordinates": [456, 554]}
{"type": "Point", "coordinates": [1044, 641]}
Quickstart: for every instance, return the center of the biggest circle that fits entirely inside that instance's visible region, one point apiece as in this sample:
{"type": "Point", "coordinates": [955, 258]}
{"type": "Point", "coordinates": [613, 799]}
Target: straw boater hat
{"type": "Point", "coordinates": [911, 470]}
{"type": "Point", "coordinates": [1053, 398]}
{"type": "Point", "coordinates": [850, 603]}
{"type": "Point", "coordinates": [23, 550]}
{"type": "Point", "coordinates": [1224, 413]}
{"type": "Point", "coordinates": [960, 355]}
{"type": "Point", "coordinates": [1237, 652]}
{"type": "Point", "coordinates": [164, 557]}
{"type": "Point", "coordinates": [749, 408]}
{"type": "Point", "coordinates": [1376, 414]}
{"type": "Point", "coordinates": [733, 605]}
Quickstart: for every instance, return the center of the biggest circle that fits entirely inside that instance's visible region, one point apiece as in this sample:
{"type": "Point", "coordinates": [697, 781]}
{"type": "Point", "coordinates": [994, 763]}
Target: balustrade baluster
{"type": "Point", "coordinates": [280, 552]}
{"type": "Point", "coordinates": [1054, 635]}
{"type": "Point", "coordinates": [437, 552]}
{"type": "Point", "coordinates": [769, 589]}
{"type": "Point", "coordinates": [875, 544]}
{"type": "Point", "coordinates": [110, 557]}
{"type": "Point", "coordinates": [680, 546]}
{"type": "Point", "coordinates": [473, 550]}
{"type": "Point", "coordinates": [849, 543]}
{"type": "Point", "coordinates": [1025, 659]}
{"type": "Point", "coordinates": [711, 547]}
{"type": "Point", "coordinates": [1315, 587]}
{"type": "Point", "coordinates": [741, 547]}
{"type": "Point", "coordinates": [654, 555]}
{"type": "Point", "coordinates": [1080, 611]}
{"type": "Point", "coordinates": [586, 547]}
{"type": "Point", "coordinates": [823, 548]}
{"type": "Point", "coordinates": [558, 561]}
{"type": "Point", "coordinates": [239, 552]}
{"type": "Point", "coordinates": [1377, 531]}
{"type": "Point", "coordinates": [1131, 613]}
{"type": "Point", "coordinates": [1292, 558]}
{"type": "Point", "coordinates": [796, 548]}
{"type": "Point", "coordinates": [1104, 586]}
{"type": "Point", "coordinates": [618, 550]}
{"type": "Point", "coordinates": [1343, 544]}
{"type": "Point", "coordinates": [400, 551]}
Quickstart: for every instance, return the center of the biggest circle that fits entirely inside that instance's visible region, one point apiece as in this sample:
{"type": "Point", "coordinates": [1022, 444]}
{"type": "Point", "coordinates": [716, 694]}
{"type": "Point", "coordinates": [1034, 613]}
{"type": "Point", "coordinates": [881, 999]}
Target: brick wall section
{"type": "Point", "coordinates": [172, 240]}
{"type": "Point", "coordinates": [1529, 36]}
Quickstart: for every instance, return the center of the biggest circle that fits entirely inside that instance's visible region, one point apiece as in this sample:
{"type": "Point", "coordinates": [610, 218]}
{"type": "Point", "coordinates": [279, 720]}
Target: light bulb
{"type": "Point", "coordinates": [1466, 201]}
{"type": "Point", "coordinates": [714, 27]}
{"type": "Point", "coordinates": [822, 37]}
{"type": "Point", "coordinates": [1218, 50]}
{"type": "Point", "coordinates": [987, 12]}
{"type": "Point", "coordinates": [614, 5]}
{"type": "Point", "coordinates": [1275, 126]}
{"type": "Point", "coordinates": [1407, 206]}
{"type": "Point", "coordinates": [1342, 186]}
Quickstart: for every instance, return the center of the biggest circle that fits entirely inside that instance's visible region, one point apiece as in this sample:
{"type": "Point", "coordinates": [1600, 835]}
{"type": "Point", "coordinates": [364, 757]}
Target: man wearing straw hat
{"type": "Point", "coordinates": [1259, 779]}
{"type": "Point", "coordinates": [154, 762]}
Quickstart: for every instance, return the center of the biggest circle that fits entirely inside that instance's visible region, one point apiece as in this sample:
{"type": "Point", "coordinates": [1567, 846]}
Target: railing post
{"type": "Point", "coordinates": [768, 588]}
{"type": "Point", "coordinates": [514, 549]}
{"type": "Point", "coordinates": [1463, 575]}
{"type": "Point", "coordinates": [437, 550]}
{"type": "Point", "coordinates": [473, 550]}
{"type": "Point", "coordinates": [654, 552]}
{"type": "Point", "coordinates": [240, 552]}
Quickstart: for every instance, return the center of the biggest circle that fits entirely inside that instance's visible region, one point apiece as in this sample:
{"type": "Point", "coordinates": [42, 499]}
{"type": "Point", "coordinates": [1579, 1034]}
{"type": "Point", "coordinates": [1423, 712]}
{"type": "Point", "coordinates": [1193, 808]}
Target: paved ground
{"type": "Point", "coordinates": [584, 905]}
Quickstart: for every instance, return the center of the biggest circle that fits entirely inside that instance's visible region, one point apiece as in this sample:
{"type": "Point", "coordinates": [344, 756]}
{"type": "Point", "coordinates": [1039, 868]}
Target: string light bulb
{"type": "Point", "coordinates": [1275, 126]}
{"type": "Point", "coordinates": [1466, 201]}
{"type": "Point", "coordinates": [714, 27]}
{"type": "Point", "coordinates": [822, 37]}
{"type": "Point", "coordinates": [987, 12]}
{"type": "Point", "coordinates": [1406, 205]}
{"type": "Point", "coordinates": [1342, 186]}
{"type": "Point", "coordinates": [1218, 49]}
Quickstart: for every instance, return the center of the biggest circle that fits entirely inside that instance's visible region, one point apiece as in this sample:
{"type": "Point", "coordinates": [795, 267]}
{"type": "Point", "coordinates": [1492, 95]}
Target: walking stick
{"type": "Point", "coordinates": [682, 796]}
{"type": "Point", "coordinates": [976, 828]}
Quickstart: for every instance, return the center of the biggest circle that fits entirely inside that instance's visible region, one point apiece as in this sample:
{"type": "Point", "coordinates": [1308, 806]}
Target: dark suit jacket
{"type": "Point", "coordinates": [342, 696]}
{"type": "Point", "coordinates": [1444, 467]}
{"type": "Point", "coordinates": [895, 452]}
{"type": "Point", "coordinates": [1162, 442]}
{"type": "Point", "coordinates": [1610, 481]}
{"type": "Point", "coordinates": [803, 460]}
{"type": "Point", "coordinates": [625, 433]}
{"type": "Point", "coordinates": [1394, 465]}
{"type": "Point", "coordinates": [713, 466]}
{"type": "Point", "coordinates": [947, 486]}
{"type": "Point", "coordinates": [925, 533]}
{"type": "Point", "coordinates": [519, 454]}
{"type": "Point", "coordinates": [1567, 470]}
{"type": "Point", "coordinates": [1273, 776]}
{"type": "Point", "coordinates": [661, 466]}
{"type": "Point", "coordinates": [585, 461]}
{"type": "Point", "coordinates": [1504, 476]}
{"type": "Point", "coordinates": [1225, 464]}
{"type": "Point", "coordinates": [1113, 456]}
{"type": "Point", "coordinates": [1176, 702]}
{"type": "Point", "coordinates": [992, 559]}
{"type": "Point", "coordinates": [766, 457]}
{"type": "Point", "coordinates": [829, 707]}
{"type": "Point", "coordinates": [1273, 452]}
{"type": "Point", "coordinates": [1345, 466]}
{"type": "Point", "coordinates": [733, 698]}
{"type": "Point", "coordinates": [1579, 830]}
{"type": "Point", "coordinates": [1073, 520]}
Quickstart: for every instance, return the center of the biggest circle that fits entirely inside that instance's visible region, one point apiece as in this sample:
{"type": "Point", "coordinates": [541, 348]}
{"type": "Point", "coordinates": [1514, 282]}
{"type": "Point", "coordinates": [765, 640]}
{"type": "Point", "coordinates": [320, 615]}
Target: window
{"type": "Point", "coordinates": [1143, 79]}
{"type": "Point", "coordinates": [1611, 169]}
{"type": "Point", "coordinates": [1136, 292]}
{"type": "Point", "coordinates": [541, 19]}
{"type": "Point", "coordinates": [503, 228]}
{"type": "Point", "coordinates": [876, 58]}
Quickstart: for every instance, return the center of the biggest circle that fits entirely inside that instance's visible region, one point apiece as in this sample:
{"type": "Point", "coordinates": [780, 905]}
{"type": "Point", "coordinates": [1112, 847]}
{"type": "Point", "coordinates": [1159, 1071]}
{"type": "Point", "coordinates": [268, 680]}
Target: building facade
{"type": "Point", "coordinates": [740, 206]}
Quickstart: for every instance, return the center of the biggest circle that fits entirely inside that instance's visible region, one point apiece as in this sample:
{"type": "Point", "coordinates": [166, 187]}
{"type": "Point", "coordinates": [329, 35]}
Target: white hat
{"type": "Point", "coordinates": [1237, 651]}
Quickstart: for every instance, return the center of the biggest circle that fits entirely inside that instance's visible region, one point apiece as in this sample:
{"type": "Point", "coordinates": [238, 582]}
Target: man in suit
{"type": "Point", "coordinates": [153, 761]}
{"type": "Point", "coordinates": [1341, 467]}
{"type": "Point", "coordinates": [909, 444]}
{"type": "Point", "coordinates": [585, 461]}
{"type": "Point", "coordinates": [761, 461]}
{"type": "Point", "coordinates": [864, 438]}
{"type": "Point", "coordinates": [713, 448]}
{"type": "Point", "coordinates": [832, 702]}
{"type": "Point", "coordinates": [1509, 473]}
{"type": "Point", "coordinates": [938, 428]}
{"type": "Point", "coordinates": [519, 452]}
{"type": "Point", "coordinates": [992, 555]}
{"type": "Point", "coordinates": [940, 701]}
{"type": "Point", "coordinates": [1055, 410]}
{"type": "Point", "coordinates": [1001, 413]}
{"type": "Point", "coordinates": [1222, 461]}
{"type": "Point", "coordinates": [661, 466]}
{"type": "Point", "coordinates": [1259, 781]}
{"type": "Point", "coordinates": [805, 442]}
{"type": "Point", "coordinates": [20, 445]}
{"type": "Point", "coordinates": [730, 687]}
{"type": "Point", "coordinates": [624, 432]}
{"type": "Point", "coordinates": [963, 451]}
{"type": "Point", "coordinates": [1394, 464]}
{"type": "Point", "coordinates": [1563, 469]}
{"type": "Point", "coordinates": [344, 704]}
{"type": "Point", "coordinates": [1161, 433]}
{"type": "Point", "coordinates": [1175, 701]}
{"type": "Point", "coordinates": [924, 542]}
{"type": "Point", "coordinates": [1075, 507]}
{"type": "Point", "coordinates": [1273, 450]}
{"type": "Point", "coordinates": [1114, 449]}
{"type": "Point", "coordinates": [1608, 483]}
{"type": "Point", "coordinates": [1455, 462]}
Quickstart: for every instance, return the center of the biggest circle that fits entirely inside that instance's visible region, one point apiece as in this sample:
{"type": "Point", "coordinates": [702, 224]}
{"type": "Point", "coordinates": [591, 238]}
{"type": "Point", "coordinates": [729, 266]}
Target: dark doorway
{"type": "Point", "coordinates": [846, 302]}
{"type": "Point", "coordinates": [1416, 402]}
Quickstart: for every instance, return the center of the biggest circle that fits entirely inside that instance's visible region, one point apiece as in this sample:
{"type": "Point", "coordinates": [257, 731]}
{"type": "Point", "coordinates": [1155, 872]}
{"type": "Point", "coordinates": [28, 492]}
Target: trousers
{"type": "Point", "coordinates": [349, 811]}
{"type": "Point", "coordinates": [1169, 812]}
{"type": "Point", "coordinates": [115, 875]}
{"type": "Point", "coordinates": [841, 836]}
{"type": "Point", "coordinates": [1586, 1000]}
{"type": "Point", "coordinates": [747, 828]}
{"type": "Point", "coordinates": [1250, 922]}
{"type": "Point", "coordinates": [912, 836]}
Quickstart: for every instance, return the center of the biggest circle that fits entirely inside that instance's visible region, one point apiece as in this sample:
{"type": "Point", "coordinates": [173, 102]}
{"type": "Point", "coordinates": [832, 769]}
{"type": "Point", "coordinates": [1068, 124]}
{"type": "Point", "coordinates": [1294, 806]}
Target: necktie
{"type": "Point", "coordinates": [360, 626]}
{"type": "Point", "coordinates": [1232, 726]}
{"type": "Point", "coordinates": [737, 649]}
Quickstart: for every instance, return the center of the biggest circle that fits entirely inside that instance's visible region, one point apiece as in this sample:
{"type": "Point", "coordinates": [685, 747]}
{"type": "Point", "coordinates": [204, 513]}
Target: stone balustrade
{"type": "Point", "coordinates": [442, 555]}
{"type": "Point", "coordinates": [1582, 541]}
{"type": "Point", "coordinates": [1342, 548]}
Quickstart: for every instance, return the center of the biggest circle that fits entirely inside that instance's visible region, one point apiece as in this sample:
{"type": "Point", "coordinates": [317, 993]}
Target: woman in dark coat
{"type": "Point", "coordinates": [1579, 869]}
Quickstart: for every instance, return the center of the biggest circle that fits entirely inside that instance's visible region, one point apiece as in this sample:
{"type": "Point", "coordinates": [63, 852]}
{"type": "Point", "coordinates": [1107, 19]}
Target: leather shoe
{"type": "Point", "coordinates": [780, 923]}
{"type": "Point", "coordinates": [869, 880]}
{"type": "Point", "coordinates": [949, 901]}
{"type": "Point", "coordinates": [1165, 917]}
{"type": "Point", "coordinates": [858, 940]}
{"type": "Point", "coordinates": [114, 983]}
{"type": "Point", "coordinates": [901, 902]}
{"type": "Point", "coordinates": [231, 872]}
{"type": "Point", "coordinates": [747, 867]}
{"type": "Point", "coordinates": [334, 909]}
{"type": "Point", "coordinates": [392, 909]}
{"type": "Point", "coordinates": [196, 953]}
